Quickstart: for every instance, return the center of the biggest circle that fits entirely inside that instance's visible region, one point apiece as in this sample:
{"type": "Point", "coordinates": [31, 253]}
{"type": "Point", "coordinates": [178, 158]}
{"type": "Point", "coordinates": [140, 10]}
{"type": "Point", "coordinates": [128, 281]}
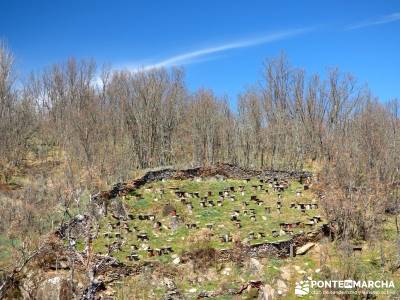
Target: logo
{"type": "Point", "coordinates": [344, 287]}
{"type": "Point", "coordinates": [348, 284]}
{"type": "Point", "coordinates": [302, 288]}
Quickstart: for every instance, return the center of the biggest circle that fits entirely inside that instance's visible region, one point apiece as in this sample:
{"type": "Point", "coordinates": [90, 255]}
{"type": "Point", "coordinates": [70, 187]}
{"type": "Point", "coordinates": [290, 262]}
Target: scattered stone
{"type": "Point", "coordinates": [282, 287]}
{"type": "Point", "coordinates": [176, 261]}
{"type": "Point", "coordinates": [286, 273]}
{"type": "Point", "coordinates": [255, 266]}
{"type": "Point", "coordinates": [266, 293]}
{"type": "Point", "coordinates": [304, 249]}
{"type": "Point", "coordinates": [226, 271]}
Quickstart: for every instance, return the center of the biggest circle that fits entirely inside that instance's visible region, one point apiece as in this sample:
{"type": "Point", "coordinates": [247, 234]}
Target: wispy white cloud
{"type": "Point", "coordinates": [375, 22]}
{"type": "Point", "coordinates": [202, 54]}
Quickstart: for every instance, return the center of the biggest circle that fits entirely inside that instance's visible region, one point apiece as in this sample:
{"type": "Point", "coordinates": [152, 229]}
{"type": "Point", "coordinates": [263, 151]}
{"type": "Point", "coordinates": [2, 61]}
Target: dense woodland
{"type": "Point", "coordinates": [75, 128]}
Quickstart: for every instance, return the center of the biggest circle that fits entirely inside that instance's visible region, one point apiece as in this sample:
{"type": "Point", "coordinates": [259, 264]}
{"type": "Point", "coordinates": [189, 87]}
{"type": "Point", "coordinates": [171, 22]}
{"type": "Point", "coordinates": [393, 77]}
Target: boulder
{"type": "Point", "coordinates": [266, 293]}
{"type": "Point", "coordinates": [255, 266]}
{"type": "Point", "coordinates": [54, 288]}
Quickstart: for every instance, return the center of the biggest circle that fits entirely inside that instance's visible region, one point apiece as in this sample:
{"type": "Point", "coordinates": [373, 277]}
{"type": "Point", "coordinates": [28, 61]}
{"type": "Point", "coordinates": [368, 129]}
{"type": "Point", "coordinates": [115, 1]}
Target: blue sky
{"type": "Point", "coordinates": [221, 44]}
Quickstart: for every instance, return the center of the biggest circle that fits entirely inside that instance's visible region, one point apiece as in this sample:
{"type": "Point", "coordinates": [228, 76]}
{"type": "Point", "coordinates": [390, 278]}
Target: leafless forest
{"type": "Point", "coordinates": [76, 128]}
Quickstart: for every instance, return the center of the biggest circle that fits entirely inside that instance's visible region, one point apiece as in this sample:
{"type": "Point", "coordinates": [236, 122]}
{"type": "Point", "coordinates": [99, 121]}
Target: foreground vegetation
{"type": "Point", "coordinates": [73, 130]}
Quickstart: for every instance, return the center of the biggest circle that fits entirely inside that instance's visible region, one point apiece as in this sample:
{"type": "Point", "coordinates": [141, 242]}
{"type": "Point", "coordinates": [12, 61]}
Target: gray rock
{"type": "Point", "coordinates": [169, 283]}
{"type": "Point", "coordinates": [282, 287]}
{"type": "Point", "coordinates": [266, 293]}
{"type": "Point", "coordinates": [304, 249]}
{"type": "Point", "coordinates": [54, 288]}
{"type": "Point", "coordinates": [255, 266]}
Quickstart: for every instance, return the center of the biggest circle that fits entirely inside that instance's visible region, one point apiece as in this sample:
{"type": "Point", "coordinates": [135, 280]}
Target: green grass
{"type": "Point", "coordinates": [148, 200]}
{"type": "Point", "coordinates": [5, 245]}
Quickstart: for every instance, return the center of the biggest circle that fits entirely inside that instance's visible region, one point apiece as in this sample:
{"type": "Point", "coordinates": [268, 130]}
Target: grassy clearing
{"type": "Point", "coordinates": [323, 263]}
{"type": "Point", "coordinates": [148, 200]}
